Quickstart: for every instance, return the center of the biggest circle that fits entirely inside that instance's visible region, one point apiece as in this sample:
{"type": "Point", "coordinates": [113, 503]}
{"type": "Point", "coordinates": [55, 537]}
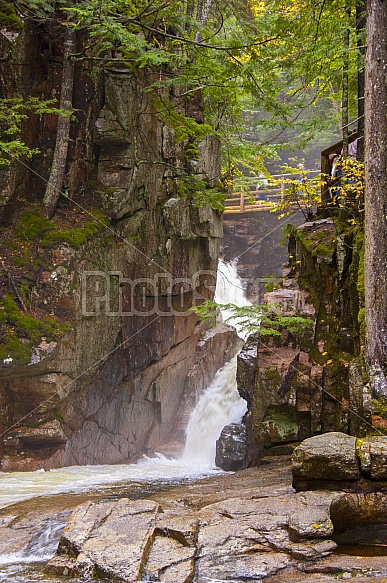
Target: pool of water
{"type": "Point", "coordinates": [362, 550]}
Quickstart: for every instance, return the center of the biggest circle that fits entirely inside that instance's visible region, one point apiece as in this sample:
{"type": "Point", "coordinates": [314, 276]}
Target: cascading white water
{"type": "Point", "coordinates": [42, 548]}
{"type": "Point", "coordinates": [229, 287]}
{"type": "Point", "coordinates": [229, 290]}
{"type": "Point", "coordinates": [220, 404]}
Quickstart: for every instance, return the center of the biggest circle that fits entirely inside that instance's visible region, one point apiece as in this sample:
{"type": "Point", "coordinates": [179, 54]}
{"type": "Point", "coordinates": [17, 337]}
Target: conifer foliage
{"type": "Point", "coordinates": [259, 68]}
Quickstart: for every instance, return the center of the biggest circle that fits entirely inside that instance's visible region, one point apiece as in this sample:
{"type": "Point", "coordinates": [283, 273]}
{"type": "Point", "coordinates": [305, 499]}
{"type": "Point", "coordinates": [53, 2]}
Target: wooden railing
{"type": "Point", "coordinates": [252, 197]}
{"type": "Point", "coordinates": [241, 202]}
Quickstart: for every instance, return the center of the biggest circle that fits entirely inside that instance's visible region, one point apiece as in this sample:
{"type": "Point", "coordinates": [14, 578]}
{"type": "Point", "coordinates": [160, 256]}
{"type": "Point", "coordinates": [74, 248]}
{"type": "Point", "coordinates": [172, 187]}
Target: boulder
{"type": "Point", "coordinates": [291, 300]}
{"type": "Point", "coordinates": [337, 461]}
{"type": "Point", "coordinates": [378, 455]}
{"type": "Point", "coordinates": [329, 459]}
{"type": "Point", "coordinates": [231, 447]}
{"type": "Point", "coordinates": [107, 539]}
{"type": "Point", "coordinates": [247, 362]}
{"type": "Point", "coordinates": [247, 526]}
{"type": "Point", "coordinates": [171, 557]}
{"type": "Point", "coordinates": [372, 454]}
{"type": "Point", "coordinates": [311, 518]}
{"type": "Point", "coordinates": [236, 539]}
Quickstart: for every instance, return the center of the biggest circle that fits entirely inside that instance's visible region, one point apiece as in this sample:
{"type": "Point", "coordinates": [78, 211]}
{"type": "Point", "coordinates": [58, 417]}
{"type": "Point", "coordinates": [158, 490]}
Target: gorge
{"type": "Point", "coordinates": [107, 355]}
{"type": "Point", "coordinates": [140, 441]}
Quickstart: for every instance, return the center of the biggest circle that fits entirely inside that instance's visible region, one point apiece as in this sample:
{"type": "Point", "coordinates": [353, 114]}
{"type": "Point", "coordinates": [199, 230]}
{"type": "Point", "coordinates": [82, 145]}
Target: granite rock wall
{"type": "Point", "coordinates": [114, 385]}
{"type": "Point", "coordinates": [302, 383]}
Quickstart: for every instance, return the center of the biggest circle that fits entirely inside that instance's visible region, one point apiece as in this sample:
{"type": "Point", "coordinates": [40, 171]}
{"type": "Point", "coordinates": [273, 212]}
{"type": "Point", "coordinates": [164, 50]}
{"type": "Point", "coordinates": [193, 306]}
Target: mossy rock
{"type": "Point", "coordinates": [33, 225]}
{"type": "Point", "coordinates": [279, 426]}
{"type": "Point", "coordinates": [9, 17]}
{"type": "Point", "coordinates": [20, 333]}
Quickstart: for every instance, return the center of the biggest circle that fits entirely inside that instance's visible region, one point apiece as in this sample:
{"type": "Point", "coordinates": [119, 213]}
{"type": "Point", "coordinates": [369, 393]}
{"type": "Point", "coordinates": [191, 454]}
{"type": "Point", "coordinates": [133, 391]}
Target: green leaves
{"type": "Point", "coordinates": [260, 67]}
{"type": "Point", "coordinates": [301, 191]}
{"type": "Point", "coordinates": [263, 319]}
{"type": "Point", "coordinates": [191, 186]}
{"type": "Point", "coordinates": [12, 114]}
{"type": "Point", "coordinates": [123, 31]}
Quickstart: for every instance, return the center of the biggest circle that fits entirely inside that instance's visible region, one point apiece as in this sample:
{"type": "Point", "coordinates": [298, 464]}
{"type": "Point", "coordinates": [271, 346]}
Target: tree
{"type": "Point", "coordinates": [360, 27]}
{"type": "Point", "coordinates": [375, 260]}
{"type": "Point", "coordinates": [258, 68]}
{"type": "Point", "coordinates": [345, 86]}
{"type": "Point", "coordinates": [58, 166]}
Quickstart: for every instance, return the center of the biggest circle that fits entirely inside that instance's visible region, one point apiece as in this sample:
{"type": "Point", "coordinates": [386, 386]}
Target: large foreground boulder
{"type": "Point", "coordinates": [135, 540]}
{"type": "Point", "coordinates": [246, 538]}
{"type": "Point", "coordinates": [126, 540]}
{"type": "Point", "coordinates": [337, 461]}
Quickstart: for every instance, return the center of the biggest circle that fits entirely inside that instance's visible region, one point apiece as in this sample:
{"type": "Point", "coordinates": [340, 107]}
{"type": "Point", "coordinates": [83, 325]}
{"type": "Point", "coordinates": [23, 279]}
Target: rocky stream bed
{"type": "Point", "coordinates": [247, 526]}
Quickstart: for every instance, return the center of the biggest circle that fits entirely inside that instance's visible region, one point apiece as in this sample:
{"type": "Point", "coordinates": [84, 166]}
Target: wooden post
{"type": "Point", "coordinates": [242, 202]}
{"type": "Point", "coordinates": [282, 190]}
{"type": "Point", "coordinates": [325, 173]}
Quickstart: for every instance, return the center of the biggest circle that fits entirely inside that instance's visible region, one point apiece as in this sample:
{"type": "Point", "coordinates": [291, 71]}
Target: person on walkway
{"type": "Point", "coordinates": [264, 184]}
{"type": "Point", "coordinates": [352, 145]}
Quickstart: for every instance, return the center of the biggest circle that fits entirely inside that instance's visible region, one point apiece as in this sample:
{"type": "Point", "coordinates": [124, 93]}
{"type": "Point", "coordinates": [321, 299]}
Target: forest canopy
{"type": "Point", "coordinates": [270, 73]}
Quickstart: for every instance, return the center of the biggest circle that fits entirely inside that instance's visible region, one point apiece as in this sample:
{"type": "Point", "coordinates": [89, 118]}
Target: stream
{"type": "Point", "coordinates": [219, 405]}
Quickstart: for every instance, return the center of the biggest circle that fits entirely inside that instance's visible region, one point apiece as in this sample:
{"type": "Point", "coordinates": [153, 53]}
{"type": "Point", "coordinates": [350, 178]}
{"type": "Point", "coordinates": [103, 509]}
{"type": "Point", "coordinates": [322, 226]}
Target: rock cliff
{"type": "Point", "coordinates": [301, 383]}
{"type": "Point", "coordinates": [106, 357]}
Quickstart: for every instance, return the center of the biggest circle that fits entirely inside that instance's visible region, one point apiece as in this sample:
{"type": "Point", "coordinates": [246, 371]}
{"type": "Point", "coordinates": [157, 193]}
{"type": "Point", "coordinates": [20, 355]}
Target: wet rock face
{"type": "Point", "coordinates": [279, 381]}
{"type": "Point", "coordinates": [247, 525]}
{"type": "Point", "coordinates": [127, 541]}
{"type": "Point", "coordinates": [115, 419]}
{"type": "Point", "coordinates": [234, 539]}
{"type": "Point", "coordinates": [298, 384]}
{"type": "Point", "coordinates": [246, 370]}
{"type": "Point", "coordinates": [338, 461]}
{"type": "Point", "coordinates": [287, 397]}
{"type": "Point", "coordinates": [231, 447]}
{"type": "Point", "coordinates": [116, 385]}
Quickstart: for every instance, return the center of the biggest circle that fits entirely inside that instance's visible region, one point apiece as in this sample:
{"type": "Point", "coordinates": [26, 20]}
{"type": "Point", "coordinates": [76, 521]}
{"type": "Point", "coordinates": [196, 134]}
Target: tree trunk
{"type": "Point", "coordinates": [58, 167]}
{"type": "Point", "coordinates": [202, 15]}
{"type": "Point", "coordinates": [345, 92]}
{"type": "Point", "coordinates": [360, 26]}
{"type": "Point", "coordinates": [375, 261]}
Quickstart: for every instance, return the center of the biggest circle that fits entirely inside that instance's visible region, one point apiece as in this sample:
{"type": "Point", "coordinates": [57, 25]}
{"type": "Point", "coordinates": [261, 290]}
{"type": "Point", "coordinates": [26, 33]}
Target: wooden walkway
{"type": "Point", "coordinates": [251, 203]}
{"type": "Point", "coordinates": [254, 198]}
{"type": "Point", "coordinates": [326, 167]}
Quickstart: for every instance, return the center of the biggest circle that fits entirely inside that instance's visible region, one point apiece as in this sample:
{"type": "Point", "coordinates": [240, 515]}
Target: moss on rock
{"type": "Point", "coordinates": [20, 333]}
{"type": "Point", "coordinates": [33, 225]}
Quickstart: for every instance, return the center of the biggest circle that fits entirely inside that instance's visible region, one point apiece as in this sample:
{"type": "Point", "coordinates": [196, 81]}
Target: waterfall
{"type": "Point", "coordinates": [220, 403]}
{"type": "Point", "coordinates": [229, 287]}
{"type": "Point", "coordinates": [218, 406]}
{"type": "Point", "coordinates": [229, 290]}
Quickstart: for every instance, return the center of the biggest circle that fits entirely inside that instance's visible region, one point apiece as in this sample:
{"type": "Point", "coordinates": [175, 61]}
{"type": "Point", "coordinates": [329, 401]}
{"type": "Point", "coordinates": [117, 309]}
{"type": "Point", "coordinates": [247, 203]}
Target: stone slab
{"type": "Point", "coordinates": [331, 456]}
